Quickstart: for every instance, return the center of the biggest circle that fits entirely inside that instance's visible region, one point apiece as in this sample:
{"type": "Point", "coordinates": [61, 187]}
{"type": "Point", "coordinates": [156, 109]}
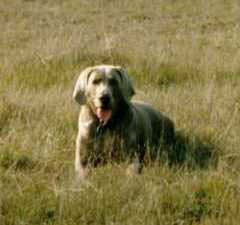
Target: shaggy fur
{"type": "Point", "coordinates": [110, 125]}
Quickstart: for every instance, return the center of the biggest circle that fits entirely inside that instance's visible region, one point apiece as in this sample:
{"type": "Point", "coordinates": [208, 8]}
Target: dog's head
{"type": "Point", "coordinates": [102, 88]}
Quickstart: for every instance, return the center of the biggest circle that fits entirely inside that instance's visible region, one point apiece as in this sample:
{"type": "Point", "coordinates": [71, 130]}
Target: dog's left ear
{"type": "Point", "coordinates": [80, 86]}
{"type": "Point", "coordinates": [127, 87]}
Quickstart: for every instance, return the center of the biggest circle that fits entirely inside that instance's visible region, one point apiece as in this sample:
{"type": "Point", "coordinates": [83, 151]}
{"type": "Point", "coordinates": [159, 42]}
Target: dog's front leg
{"type": "Point", "coordinates": [135, 153]}
{"type": "Point", "coordinates": [136, 161]}
{"type": "Point", "coordinates": [83, 147]}
{"type": "Point", "coordinates": [80, 171]}
{"type": "Point", "coordinates": [135, 166]}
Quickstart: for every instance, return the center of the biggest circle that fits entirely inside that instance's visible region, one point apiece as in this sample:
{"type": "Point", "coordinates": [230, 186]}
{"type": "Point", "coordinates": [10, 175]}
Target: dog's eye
{"type": "Point", "coordinates": [113, 82]}
{"type": "Point", "coordinates": [97, 81]}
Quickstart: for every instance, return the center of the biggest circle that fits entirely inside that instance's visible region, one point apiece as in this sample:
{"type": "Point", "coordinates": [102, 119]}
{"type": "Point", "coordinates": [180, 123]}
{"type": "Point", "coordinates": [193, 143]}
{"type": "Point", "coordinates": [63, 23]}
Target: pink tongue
{"type": "Point", "coordinates": [104, 114]}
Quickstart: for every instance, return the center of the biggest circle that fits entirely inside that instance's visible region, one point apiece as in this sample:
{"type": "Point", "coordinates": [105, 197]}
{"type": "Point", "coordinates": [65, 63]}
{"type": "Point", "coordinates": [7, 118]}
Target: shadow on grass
{"type": "Point", "coordinates": [193, 152]}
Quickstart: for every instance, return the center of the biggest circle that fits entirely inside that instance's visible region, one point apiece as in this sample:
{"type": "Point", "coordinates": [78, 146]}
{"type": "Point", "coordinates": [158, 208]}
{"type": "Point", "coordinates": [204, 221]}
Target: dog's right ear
{"type": "Point", "coordinates": [80, 86]}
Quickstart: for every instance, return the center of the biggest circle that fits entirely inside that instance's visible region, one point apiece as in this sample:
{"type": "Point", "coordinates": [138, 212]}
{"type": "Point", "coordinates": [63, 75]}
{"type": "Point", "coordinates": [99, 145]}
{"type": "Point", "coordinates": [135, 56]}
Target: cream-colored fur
{"type": "Point", "coordinates": [127, 128]}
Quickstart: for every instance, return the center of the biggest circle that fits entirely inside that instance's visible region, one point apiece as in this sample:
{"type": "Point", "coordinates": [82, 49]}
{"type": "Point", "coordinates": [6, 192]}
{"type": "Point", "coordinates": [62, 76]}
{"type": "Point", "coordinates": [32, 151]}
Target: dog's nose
{"type": "Point", "coordinates": [105, 99]}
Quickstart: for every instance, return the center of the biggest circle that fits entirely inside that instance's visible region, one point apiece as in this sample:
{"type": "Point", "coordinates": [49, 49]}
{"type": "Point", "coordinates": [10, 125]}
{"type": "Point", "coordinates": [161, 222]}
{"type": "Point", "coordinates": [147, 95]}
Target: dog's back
{"type": "Point", "coordinates": [160, 129]}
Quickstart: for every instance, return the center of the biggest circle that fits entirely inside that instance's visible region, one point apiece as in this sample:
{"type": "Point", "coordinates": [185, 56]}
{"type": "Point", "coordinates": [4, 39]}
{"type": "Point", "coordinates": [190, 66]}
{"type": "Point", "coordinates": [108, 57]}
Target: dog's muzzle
{"type": "Point", "coordinates": [104, 112]}
{"type": "Point", "coordinates": [105, 100]}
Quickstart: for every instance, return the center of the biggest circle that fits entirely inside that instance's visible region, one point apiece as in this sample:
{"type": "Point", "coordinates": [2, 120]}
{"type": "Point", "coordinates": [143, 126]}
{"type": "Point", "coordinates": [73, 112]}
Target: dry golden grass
{"type": "Point", "coordinates": [184, 59]}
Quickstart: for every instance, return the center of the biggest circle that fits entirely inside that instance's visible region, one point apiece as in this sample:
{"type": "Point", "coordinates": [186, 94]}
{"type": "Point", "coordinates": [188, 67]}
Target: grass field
{"type": "Point", "coordinates": [184, 59]}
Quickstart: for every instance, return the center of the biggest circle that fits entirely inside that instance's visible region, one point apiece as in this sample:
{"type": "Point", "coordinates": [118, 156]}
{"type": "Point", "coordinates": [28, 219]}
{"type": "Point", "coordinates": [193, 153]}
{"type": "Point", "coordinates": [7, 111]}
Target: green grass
{"type": "Point", "coordinates": [183, 57]}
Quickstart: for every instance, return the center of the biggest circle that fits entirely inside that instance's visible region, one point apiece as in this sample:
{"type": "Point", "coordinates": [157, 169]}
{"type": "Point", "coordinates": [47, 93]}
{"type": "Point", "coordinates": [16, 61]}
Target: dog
{"type": "Point", "coordinates": [111, 126]}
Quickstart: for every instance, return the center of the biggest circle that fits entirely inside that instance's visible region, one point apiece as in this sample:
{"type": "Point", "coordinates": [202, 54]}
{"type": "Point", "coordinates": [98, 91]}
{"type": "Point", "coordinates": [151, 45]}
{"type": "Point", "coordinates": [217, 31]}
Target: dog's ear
{"type": "Point", "coordinates": [127, 87]}
{"type": "Point", "coordinates": [80, 86]}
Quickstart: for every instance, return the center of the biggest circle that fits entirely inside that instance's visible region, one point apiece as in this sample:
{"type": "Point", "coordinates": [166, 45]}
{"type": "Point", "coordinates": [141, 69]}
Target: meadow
{"type": "Point", "coordinates": [183, 58]}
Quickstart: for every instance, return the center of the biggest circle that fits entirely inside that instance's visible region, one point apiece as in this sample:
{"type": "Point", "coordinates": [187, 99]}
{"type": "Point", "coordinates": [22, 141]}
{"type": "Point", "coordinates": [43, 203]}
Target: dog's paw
{"type": "Point", "coordinates": [82, 173]}
{"type": "Point", "coordinates": [134, 169]}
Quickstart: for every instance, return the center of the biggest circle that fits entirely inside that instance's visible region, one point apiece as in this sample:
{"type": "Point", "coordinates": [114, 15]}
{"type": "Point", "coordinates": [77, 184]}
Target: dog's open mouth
{"type": "Point", "coordinates": [103, 114]}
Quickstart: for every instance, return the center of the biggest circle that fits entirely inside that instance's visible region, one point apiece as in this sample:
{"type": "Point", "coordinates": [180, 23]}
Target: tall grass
{"type": "Point", "coordinates": [183, 57]}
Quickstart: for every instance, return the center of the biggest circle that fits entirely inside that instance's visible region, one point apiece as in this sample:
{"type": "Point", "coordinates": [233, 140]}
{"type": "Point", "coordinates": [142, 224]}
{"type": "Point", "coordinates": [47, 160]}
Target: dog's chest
{"type": "Point", "coordinates": [110, 144]}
